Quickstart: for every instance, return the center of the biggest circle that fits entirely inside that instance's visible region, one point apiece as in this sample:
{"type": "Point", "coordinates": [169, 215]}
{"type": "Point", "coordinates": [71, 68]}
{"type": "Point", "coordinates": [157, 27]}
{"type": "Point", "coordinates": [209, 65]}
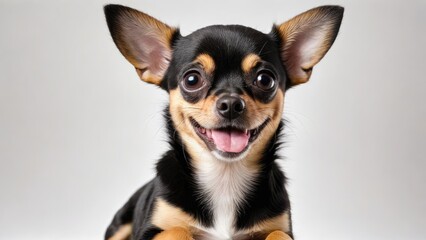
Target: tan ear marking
{"type": "Point", "coordinates": [154, 27]}
{"type": "Point", "coordinates": [206, 62]}
{"type": "Point", "coordinates": [249, 62]}
{"type": "Point", "coordinates": [143, 40]}
{"type": "Point", "coordinates": [306, 38]}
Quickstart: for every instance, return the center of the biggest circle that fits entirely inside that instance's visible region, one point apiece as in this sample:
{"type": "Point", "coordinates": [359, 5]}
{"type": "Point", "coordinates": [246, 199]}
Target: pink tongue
{"type": "Point", "coordinates": [230, 140]}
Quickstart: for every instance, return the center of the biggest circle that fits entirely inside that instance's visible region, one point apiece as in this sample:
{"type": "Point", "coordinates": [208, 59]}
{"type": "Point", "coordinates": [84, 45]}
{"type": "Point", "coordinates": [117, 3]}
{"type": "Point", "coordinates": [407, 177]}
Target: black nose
{"type": "Point", "coordinates": [230, 106]}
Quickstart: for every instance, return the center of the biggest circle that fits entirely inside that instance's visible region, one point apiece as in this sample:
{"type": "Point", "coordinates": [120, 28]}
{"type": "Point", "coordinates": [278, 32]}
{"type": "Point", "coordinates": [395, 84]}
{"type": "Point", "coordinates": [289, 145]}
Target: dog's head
{"type": "Point", "coordinates": [226, 83]}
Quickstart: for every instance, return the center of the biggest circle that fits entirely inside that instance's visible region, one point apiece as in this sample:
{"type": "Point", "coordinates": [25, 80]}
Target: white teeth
{"type": "Point", "coordinates": [209, 133]}
{"type": "Point", "coordinates": [247, 132]}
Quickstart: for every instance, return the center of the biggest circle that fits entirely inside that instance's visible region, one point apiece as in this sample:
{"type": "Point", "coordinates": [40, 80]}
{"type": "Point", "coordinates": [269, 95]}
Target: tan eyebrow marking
{"type": "Point", "coordinates": [206, 62]}
{"type": "Point", "coordinates": [249, 62]}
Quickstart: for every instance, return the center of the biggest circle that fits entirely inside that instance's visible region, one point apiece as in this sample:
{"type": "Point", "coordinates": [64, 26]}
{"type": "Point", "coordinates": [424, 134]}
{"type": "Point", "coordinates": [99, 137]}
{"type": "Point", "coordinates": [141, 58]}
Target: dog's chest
{"type": "Point", "coordinates": [226, 186]}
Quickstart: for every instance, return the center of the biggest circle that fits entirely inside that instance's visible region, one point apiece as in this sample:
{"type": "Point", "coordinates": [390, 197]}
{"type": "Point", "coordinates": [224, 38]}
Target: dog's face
{"type": "Point", "coordinates": [226, 83]}
{"type": "Point", "coordinates": [226, 90]}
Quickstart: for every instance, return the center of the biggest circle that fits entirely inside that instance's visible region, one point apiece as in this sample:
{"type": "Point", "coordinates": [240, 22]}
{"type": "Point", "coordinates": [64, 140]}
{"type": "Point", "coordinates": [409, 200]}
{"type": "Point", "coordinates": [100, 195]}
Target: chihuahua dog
{"type": "Point", "coordinates": [226, 86]}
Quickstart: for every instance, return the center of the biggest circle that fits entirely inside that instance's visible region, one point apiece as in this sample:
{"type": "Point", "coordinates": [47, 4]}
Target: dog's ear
{"type": "Point", "coordinates": [306, 38]}
{"type": "Point", "coordinates": [143, 40]}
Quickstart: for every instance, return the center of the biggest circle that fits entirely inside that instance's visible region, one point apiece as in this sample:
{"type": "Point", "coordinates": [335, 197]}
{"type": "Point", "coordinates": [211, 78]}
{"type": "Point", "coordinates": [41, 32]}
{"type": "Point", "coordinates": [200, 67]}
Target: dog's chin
{"type": "Point", "coordinates": [228, 144]}
{"type": "Point", "coordinates": [230, 157]}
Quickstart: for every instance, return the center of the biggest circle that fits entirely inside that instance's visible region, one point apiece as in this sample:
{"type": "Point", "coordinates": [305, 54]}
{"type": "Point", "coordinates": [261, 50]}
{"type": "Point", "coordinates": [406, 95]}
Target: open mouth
{"type": "Point", "coordinates": [229, 141]}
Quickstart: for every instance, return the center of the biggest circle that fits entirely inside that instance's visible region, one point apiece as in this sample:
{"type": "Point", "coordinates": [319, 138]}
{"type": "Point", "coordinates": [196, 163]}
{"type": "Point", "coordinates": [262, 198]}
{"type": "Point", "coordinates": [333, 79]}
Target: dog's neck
{"type": "Point", "coordinates": [224, 186]}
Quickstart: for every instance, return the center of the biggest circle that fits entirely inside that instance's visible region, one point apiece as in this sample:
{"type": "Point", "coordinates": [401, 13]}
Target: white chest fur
{"type": "Point", "coordinates": [226, 184]}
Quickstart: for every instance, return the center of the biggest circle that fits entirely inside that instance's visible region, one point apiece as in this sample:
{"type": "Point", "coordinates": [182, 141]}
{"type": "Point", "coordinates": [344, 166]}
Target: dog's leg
{"type": "Point", "coordinates": [278, 235]}
{"type": "Point", "coordinates": [176, 233]}
{"type": "Point", "coordinates": [122, 233]}
{"type": "Point", "coordinates": [121, 226]}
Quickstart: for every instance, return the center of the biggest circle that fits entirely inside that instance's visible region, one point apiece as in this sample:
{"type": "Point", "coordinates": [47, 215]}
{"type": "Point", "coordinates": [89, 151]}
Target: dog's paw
{"type": "Point", "coordinates": [176, 233]}
{"type": "Point", "coordinates": [278, 235]}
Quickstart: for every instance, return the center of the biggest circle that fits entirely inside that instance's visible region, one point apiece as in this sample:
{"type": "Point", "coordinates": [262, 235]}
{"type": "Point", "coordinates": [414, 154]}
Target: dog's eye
{"type": "Point", "coordinates": [265, 81]}
{"type": "Point", "coordinates": [193, 81]}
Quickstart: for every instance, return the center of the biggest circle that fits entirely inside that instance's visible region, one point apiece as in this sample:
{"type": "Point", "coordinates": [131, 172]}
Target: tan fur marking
{"type": "Point", "coordinates": [278, 235]}
{"type": "Point", "coordinates": [167, 216]}
{"type": "Point", "coordinates": [123, 233]}
{"type": "Point", "coordinates": [281, 222]}
{"type": "Point", "coordinates": [175, 233]}
{"type": "Point", "coordinates": [249, 62]}
{"type": "Point", "coordinates": [274, 111]}
{"type": "Point", "coordinates": [207, 62]}
{"type": "Point", "coordinates": [202, 112]}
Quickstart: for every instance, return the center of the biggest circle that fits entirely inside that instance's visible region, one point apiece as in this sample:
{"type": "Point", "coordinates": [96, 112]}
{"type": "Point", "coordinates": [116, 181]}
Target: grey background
{"type": "Point", "coordinates": [79, 132]}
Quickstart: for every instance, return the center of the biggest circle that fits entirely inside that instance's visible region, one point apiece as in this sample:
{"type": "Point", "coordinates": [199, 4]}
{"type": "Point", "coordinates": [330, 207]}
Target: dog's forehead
{"type": "Point", "coordinates": [226, 44]}
{"type": "Point", "coordinates": [227, 47]}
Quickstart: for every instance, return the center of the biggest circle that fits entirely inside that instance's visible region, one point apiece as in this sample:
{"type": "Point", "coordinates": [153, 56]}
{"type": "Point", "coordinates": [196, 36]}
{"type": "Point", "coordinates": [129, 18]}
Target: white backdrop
{"type": "Point", "coordinates": [79, 132]}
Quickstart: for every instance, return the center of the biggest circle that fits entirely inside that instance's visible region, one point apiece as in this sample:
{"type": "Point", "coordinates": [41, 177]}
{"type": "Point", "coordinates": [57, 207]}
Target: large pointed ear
{"type": "Point", "coordinates": [143, 40]}
{"type": "Point", "coordinates": [306, 38]}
